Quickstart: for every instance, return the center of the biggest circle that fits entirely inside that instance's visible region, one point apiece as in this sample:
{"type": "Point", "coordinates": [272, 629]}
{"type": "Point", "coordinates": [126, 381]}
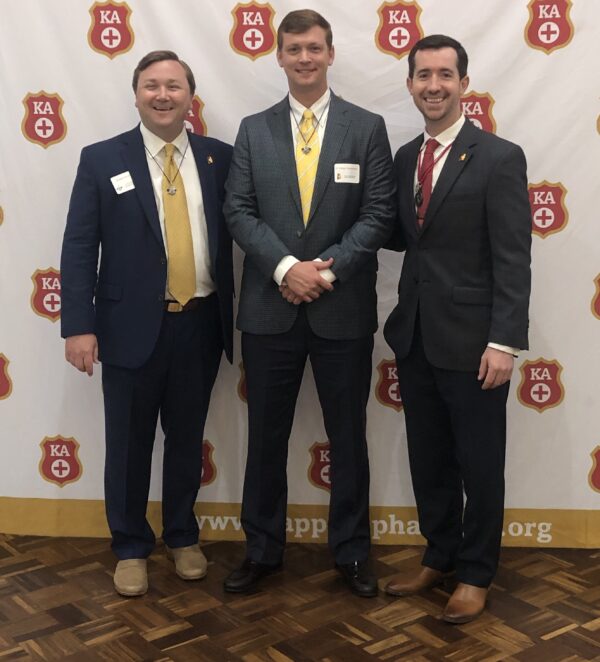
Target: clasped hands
{"type": "Point", "coordinates": [303, 281]}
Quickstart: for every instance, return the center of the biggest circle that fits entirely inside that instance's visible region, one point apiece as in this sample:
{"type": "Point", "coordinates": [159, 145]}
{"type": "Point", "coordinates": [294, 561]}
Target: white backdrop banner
{"type": "Point", "coordinates": [66, 72]}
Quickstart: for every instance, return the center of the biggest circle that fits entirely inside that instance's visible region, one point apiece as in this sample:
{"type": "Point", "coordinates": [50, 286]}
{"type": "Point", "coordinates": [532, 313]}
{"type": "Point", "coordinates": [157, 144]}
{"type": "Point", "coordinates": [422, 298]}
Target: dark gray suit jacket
{"type": "Point", "coordinates": [348, 222]}
{"type": "Point", "coordinates": [468, 270]}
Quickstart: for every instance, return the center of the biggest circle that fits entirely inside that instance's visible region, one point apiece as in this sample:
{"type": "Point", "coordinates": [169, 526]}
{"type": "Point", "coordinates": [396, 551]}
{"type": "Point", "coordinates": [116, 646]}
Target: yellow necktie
{"type": "Point", "coordinates": [307, 160]}
{"type": "Point", "coordinates": [181, 271]}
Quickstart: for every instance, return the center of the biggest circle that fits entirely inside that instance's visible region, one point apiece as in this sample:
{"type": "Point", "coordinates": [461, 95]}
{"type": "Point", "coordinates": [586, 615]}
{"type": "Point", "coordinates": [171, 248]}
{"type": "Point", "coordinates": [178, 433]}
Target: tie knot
{"type": "Point", "coordinates": [169, 150]}
{"type": "Point", "coordinates": [307, 115]}
{"type": "Point", "coordinates": [431, 145]}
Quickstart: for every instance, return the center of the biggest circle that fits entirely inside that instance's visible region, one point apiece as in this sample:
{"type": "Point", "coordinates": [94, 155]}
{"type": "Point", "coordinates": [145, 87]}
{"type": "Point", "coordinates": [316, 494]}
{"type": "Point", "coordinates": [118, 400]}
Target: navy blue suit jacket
{"type": "Point", "coordinates": [121, 300]}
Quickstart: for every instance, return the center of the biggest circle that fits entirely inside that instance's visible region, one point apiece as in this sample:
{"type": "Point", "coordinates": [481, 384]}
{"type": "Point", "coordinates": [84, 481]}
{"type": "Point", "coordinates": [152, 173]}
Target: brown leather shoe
{"type": "Point", "coordinates": [131, 577]}
{"type": "Point", "coordinates": [190, 562]}
{"type": "Point", "coordinates": [465, 604]}
{"type": "Point", "coordinates": [410, 584]}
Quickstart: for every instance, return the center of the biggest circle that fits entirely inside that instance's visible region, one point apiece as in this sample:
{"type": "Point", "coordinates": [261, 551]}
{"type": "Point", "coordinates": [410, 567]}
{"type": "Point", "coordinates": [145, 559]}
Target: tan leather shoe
{"type": "Point", "coordinates": [410, 584]}
{"type": "Point", "coordinates": [131, 577]}
{"type": "Point", "coordinates": [465, 604]}
{"type": "Point", "coordinates": [190, 562]}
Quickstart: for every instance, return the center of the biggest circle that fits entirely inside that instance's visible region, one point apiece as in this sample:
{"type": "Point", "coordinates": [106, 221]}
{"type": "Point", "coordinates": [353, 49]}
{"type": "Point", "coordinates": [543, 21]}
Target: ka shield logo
{"type": "Point", "coordinates": [194, 122]}
{"type": "Point", "coordinates": [548, 211]}
{"type": "Point", "coordinates": [478, 108]}
{"type": "Point", "coordinates": [387, 390]}
{"type": "Point", "coordinates": [540, 387]}
{"type": "Point", "coordinates": [252, 34]}
{"type": "Point", "coordinates": [320, 465]}
{"type": "Point", "coordinates": [209, 468]}
{"type": "Point", "coordinates": [5, 380]}
{"type": "Point", "coordinates": [60, 461]}
{"type": "Point", "coordinates": [43, 122]}
{"type": "Point", "coordinates": [45, 299]}
{"type": "Point", "coordinates": [596, 298]}
{"type": "Point", "coordinates": [110, 32]}
{"type": "Point", "coordinates": [594, 475]}
{"type": "Point", "coordinates": [549, 26]}
{"type": "Point", "coordinates": [399, 27]}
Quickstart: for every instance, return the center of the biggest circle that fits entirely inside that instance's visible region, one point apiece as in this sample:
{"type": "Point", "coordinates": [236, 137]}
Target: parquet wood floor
{"type": "Point", "coordinates": [57, 603]}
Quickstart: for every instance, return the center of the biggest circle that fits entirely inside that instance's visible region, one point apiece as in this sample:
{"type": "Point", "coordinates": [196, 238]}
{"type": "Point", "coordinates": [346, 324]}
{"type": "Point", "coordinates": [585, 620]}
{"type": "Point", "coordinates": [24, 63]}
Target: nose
{"type": "Point", "coordinates": [163, 92]}
{"type": "Point", "coordinates": [434, 82]}
{"type": "Point", "coordinates": [304, 55]}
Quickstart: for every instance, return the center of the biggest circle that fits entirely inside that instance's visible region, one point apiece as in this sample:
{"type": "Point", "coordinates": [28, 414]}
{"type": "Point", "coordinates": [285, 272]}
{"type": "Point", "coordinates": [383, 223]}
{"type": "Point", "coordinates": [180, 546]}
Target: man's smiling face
{"type": "Point", "coordinates": [436, 87]}
{"type": "Point", "coordinates": [163, 98]}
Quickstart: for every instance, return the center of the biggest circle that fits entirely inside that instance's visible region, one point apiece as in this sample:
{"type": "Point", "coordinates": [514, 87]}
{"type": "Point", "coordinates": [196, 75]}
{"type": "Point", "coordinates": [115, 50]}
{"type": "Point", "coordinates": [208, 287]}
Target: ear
{"type": "Point", "coordinates": [331, 55]}
{"type": "Point", "coordinates": [464, 84]}
{"type": "Point", "coordinates": [279, 62]}
{"type": "Point", "coordinates": [409, 84]}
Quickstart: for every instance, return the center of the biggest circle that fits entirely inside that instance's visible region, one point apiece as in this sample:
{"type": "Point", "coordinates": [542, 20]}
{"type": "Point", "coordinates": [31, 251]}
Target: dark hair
{"type": "Point", "coordinates": [160, 56]}
{"type": "Point", "coordinates": [302, 20]}
{"type": "Point", "coordinates": [435, 42]}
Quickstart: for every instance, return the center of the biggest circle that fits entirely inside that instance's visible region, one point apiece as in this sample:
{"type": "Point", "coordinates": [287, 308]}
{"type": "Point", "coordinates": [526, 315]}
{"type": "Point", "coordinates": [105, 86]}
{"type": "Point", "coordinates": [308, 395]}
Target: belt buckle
{"type": "Point", "coordinates": [174, 307]}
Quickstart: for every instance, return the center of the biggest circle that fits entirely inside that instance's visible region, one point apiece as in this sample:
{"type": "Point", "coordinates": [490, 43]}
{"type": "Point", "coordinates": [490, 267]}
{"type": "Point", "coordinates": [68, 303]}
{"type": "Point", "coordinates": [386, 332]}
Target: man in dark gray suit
{"type": "Point", "coordinates": [462, 313]}
{"type": "Point", "coordinates": [308, 290]}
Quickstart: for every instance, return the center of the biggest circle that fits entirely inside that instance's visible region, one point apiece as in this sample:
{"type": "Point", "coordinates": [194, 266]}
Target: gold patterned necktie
{"type": "Point", "coordinates": [307, 160]}
{"type": "Point", "coordinates": [181, 270]}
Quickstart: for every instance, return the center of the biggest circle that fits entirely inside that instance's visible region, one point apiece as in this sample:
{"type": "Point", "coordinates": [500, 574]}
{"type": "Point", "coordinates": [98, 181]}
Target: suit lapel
{"type": "Point", "coordinates": [458, 157]}
{"type": "Point", "coordinates": [335, 132]}
{"type": "Point", "coordinates": [205, 163]}
{"type": "Point", "coordinates": [134, 156]}
{"type": "Point", "coordinates": [407, 185]}
{"type": "Point", "coordinates": [279, 123]}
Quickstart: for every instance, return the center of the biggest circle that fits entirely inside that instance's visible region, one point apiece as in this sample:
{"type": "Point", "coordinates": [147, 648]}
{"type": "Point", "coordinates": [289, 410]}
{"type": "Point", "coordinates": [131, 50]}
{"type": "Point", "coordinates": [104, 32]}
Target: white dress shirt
{"type": "Point", "coordinates": [193, 192]}
{"type": "Point", "coordinates": [321, 112]}
{"type": "Point", "coordinates": [445, 138]}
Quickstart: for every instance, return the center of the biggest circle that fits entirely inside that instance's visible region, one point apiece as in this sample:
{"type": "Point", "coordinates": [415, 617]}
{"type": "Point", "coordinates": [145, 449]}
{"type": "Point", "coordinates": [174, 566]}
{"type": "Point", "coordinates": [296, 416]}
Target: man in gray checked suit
{"type": "Point", "coordinates": [310, 201]}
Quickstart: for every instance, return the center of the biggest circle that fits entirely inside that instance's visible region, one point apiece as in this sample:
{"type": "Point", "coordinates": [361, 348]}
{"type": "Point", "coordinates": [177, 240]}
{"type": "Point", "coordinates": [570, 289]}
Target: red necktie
{"type": "Point", "coordinates": [425, 179]}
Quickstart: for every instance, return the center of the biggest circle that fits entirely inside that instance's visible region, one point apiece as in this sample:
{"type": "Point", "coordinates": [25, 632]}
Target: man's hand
{"type": "Point", "coordinates": [82, 352]}
{"type": "Point", "coordinates": [495, 368]}
{"type": "Point", "coordinates": [288, 295]}
{"type": "Point", "coordinates": [304, 281]}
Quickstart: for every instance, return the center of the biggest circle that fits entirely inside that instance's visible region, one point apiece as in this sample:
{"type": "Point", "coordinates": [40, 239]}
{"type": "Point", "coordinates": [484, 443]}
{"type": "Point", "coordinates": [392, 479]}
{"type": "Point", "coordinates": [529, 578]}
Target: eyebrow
{"type": "Point", "coordinates": [155, 80]}
{"type": "Point", "coordinates": [428, 69]}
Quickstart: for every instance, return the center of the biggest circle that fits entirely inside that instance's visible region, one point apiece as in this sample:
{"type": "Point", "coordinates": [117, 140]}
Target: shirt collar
{"type": "Point", "coordinates": [318, 107]}
{"type": "Point", "coordinates": [447, 135]}
{"type": "Point", "coordinates": [154, 144]}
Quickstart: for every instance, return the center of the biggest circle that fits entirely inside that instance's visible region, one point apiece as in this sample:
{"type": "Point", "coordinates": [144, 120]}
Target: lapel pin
{"type": "Point", "coordinates": [462, 157]}
{"type": "Point", "coordinates": [209, 159]}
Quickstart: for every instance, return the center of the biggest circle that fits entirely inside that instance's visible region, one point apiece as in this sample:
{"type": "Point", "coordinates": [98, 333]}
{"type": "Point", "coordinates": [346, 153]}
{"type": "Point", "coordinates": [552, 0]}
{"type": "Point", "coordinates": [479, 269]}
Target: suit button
{"type": "Point", "coordinates": [299, 234]}
{"type": "Point", "coordinates": [161, 297]}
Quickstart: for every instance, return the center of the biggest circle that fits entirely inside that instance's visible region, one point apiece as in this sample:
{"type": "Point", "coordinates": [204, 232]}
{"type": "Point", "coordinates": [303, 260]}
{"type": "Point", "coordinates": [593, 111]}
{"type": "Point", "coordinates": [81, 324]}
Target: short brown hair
{"type": "Point", "coordinates": [435, 42]}
{"type": "Point", "coordinates": [300, 21]}
{"type": "Point", "coordinates": [160, 56]}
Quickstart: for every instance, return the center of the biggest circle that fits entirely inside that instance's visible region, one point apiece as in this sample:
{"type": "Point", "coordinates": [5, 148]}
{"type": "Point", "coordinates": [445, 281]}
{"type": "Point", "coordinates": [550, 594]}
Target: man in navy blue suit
{"type": "Point", "coordinates": [156, 311]}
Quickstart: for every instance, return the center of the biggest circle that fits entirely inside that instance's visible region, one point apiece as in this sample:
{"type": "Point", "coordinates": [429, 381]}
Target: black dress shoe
{"type": "Point", "coordinates": [247, 576]}
{"type": "Point", "coordinates": [359, 579]}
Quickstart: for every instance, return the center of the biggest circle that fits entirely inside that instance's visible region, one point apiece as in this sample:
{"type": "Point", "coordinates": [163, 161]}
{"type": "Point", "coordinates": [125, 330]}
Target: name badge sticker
{"type": "Point", "coordinates": [122, 182]}
{"type": "Point", "coordinates": [346, 173]}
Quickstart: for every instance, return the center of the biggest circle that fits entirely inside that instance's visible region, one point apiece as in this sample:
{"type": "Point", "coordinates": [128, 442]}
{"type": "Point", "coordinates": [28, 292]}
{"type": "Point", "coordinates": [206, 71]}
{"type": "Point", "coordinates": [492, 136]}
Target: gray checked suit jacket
{"type": "Point", "coordinates": [348, 221]}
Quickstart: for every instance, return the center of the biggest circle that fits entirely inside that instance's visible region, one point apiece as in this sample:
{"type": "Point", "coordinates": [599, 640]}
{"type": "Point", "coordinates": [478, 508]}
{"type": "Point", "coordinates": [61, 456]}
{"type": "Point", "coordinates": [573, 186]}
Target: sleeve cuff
{"type": "Point", "coordinates": [505, 348]}
{"type": "Point", "coordinates": [283, 267]}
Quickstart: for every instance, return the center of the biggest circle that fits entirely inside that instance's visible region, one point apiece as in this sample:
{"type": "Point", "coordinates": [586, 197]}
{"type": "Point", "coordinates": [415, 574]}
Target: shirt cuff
{"type": "Point", "coordinates": [283, 267]}
{"type": "Point", "coordinates": [505, 348]}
